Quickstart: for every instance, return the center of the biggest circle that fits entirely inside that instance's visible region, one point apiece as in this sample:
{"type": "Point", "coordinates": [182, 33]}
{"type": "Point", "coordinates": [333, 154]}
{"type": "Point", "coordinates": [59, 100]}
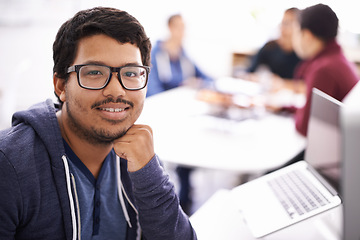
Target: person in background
{"type": "Point", "coordinates": [278, 55]}
{"type": "Point", "coordinates": [81, 169]}
{"type": "Point", "coordinates": [171, 68]}
{"type": "Point", "coordinates": [325, 67]}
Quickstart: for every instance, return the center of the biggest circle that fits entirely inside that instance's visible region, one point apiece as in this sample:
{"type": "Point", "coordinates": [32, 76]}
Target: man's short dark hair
{"type": "Point", "coordinates": [112, 22]}
{"type": "Point", "coordinates": [321, 20]}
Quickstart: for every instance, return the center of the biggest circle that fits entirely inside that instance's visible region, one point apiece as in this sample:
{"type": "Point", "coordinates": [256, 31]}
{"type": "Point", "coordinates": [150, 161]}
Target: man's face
{"type": "Point", "coordinates": [287, 22]}
{"type": "Point", "coordinates": [177, 28]}
{"type": "Point", "coordinates": [101, 116]}
{"type": "Point", "coordinates": [298, 40]}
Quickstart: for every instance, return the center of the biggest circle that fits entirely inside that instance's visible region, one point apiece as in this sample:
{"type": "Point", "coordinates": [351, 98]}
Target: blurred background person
{"type": "Point", "coordinates": [278, 56]}
{"type": "Point", "coordinates": [171, 67]}
{"type": "Point", "coordinates": [325, 66]}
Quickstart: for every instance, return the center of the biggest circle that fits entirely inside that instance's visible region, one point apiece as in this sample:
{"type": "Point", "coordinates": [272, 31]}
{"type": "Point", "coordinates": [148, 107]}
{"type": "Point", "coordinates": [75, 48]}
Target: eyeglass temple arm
{"type": "Point", "coordinates": [71, 69]}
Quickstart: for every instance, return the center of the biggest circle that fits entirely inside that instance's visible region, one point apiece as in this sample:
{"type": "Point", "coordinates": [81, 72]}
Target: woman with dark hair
{"type": "Point", "coordinates": [278, 55]}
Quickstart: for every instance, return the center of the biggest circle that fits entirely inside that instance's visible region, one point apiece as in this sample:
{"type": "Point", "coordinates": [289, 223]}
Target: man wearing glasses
{"type": "Point", "coordinates": [83, 169]}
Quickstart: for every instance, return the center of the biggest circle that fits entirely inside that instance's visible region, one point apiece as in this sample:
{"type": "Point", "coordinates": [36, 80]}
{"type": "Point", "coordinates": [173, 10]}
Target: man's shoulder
{"type": "Point", "coordinates": [14, 136]}
{"type": "Point", "coordinates": [271, 45]}
{"type": "Point", "coordinates": [24, 153]}
{"type": "Point", "coordinates": [331, 64]}
{"type": "Point", "coordinates": [17, 142]}
{"type": "Point", "coordinates": [158, 46]}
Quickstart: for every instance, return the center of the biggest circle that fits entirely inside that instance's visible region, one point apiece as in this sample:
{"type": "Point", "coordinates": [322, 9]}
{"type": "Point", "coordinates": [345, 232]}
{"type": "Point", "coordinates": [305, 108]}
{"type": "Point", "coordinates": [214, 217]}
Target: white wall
{"type": "Point", "coordinates": [214, 30]}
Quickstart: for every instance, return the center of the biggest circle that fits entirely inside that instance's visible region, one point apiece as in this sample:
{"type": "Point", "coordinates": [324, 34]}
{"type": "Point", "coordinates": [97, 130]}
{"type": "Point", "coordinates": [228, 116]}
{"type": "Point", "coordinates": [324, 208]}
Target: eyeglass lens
{"type": "Point", "coordinates": [93, 76]}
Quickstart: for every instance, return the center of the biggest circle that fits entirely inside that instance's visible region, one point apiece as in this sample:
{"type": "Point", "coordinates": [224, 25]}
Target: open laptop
{"type": "Point", "coordinates": [296, 192]}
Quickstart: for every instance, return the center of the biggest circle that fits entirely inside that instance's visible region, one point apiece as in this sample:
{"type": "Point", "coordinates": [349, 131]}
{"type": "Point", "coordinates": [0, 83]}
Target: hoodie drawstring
{"type": "Point", "coordinates": [77, 206]}
{"type": "Point", "coordinates": [122, 191]}
{"type": "Point", "coordinates": [119, 187]}
{"type": "Point", "coordinates": [71, 199]}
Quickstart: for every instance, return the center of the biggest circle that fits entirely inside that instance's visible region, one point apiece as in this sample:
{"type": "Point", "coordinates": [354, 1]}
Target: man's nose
{"type": "Point", "coordinates": [114, 87]}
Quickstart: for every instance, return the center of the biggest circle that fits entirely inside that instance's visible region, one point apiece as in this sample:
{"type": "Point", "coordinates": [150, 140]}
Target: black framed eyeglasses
{"type": "Point", "coordinates": [96, 77]}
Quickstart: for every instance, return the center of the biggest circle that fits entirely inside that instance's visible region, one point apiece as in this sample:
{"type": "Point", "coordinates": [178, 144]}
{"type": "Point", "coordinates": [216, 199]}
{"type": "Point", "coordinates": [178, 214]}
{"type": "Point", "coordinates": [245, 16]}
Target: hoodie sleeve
{"type": "Point", "coordinates": [10, 204]}
{"type": "Point", "coordinates": [160, 214]}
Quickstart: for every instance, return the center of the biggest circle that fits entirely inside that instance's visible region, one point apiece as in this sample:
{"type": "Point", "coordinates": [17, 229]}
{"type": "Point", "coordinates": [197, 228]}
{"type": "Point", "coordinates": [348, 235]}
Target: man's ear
{"type": "Point", "coordinates": [59, 87]}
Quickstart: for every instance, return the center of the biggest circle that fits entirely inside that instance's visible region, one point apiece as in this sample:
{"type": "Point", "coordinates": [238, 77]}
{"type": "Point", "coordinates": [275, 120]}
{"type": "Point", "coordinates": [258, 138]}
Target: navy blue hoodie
{"type": "Point", "coordinates": [37, 199]}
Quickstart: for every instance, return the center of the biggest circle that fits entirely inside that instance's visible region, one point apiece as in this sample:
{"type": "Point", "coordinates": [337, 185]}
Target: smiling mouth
{"type": "Point", "coordinates": [111, 105]}
{"type": "Point", "coordinates": [113, 109]}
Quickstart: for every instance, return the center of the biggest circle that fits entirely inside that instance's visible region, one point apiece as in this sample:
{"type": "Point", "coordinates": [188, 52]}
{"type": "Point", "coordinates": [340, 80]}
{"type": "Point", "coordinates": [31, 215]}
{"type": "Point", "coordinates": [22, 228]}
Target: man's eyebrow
{"type": "Point", "coordinates": [133, 64]}
{"type": "Point", "coordinates": [94, 62]}
{"type": "Point", "coordinates": [102, 63]}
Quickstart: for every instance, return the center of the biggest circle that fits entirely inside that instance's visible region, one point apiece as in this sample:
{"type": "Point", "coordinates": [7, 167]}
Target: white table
{"type": "Point", "coordinates": [185, 135]}
{"type": "Point", "coordinates": [218, 219]}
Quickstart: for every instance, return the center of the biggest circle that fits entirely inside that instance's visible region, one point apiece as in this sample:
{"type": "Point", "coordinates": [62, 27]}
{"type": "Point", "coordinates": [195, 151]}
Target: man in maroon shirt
{"type": "Point", "coordinates": [325, 66]}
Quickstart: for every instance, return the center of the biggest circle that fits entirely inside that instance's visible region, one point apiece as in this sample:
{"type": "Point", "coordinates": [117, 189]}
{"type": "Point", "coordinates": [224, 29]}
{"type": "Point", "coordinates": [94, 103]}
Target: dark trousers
{"type": "Point", "coordinates": [185, 187]}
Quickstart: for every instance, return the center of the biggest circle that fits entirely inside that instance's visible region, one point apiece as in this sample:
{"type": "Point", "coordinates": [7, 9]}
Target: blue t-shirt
{"type": "Point", "coordinates": [101, 214]}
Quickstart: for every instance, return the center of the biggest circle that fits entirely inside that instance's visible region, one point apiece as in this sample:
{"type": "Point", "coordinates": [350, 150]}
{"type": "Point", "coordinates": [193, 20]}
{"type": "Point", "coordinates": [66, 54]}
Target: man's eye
{"type": "Point", "coordinates": [94, 72]}
{"type": "Point", "coordinates": [130, 74]}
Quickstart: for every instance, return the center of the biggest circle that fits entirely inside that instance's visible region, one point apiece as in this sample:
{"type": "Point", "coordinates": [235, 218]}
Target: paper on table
{"type": "Point", "coordinates": [238, 86]}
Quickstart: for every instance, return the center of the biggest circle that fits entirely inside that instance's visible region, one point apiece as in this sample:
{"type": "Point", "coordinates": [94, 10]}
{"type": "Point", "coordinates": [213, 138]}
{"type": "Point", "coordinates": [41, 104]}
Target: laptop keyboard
{"type": "Point", "coordinates": [296, 193]}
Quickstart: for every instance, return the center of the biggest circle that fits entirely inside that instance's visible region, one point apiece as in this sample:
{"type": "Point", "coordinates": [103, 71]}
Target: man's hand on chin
{"type": "Point", "coordinates": [136, 146]}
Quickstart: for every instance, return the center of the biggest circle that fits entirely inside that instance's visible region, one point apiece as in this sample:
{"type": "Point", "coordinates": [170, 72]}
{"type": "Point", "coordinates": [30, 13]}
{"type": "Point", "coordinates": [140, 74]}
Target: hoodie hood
{"type": "Point", "coordinates": [42, 118]}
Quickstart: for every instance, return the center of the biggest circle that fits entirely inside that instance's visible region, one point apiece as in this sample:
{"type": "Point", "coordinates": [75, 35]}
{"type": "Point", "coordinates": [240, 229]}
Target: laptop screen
{"type": "Point", "coordinates": [323, 149]}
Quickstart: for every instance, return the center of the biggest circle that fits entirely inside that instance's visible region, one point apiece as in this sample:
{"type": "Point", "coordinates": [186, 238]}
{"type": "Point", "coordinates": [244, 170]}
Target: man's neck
{"type": "Point", "coordinates": [173, 46]}
{"type": "Point", "coordinates": [92, 155]}
{"type": "Point", "coordinates": [285, 44]}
